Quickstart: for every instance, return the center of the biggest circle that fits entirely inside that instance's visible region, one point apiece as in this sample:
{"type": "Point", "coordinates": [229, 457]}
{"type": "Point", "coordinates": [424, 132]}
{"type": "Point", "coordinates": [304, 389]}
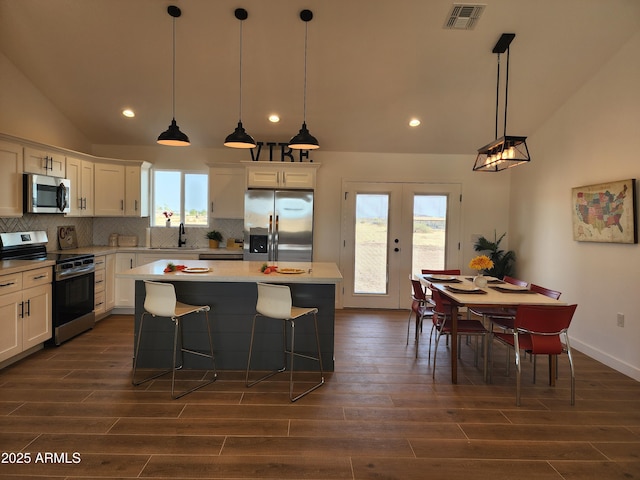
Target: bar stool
{"type": "Point", "coordinates": [274, 302]}
{"type": "Point", "coordinates": [160, 301]}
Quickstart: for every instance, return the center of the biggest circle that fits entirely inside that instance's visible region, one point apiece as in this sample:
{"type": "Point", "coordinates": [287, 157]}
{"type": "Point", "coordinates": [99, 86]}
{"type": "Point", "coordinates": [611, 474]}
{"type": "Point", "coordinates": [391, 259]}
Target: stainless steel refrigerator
{"type": "Point", "coordinates": [278, 225]}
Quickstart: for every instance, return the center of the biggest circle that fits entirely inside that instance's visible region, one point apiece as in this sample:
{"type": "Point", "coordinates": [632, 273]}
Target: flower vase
{"type": "Point", "coordinates": [480, 280]}
{"type": "Point", "coordinates": [168, 222]}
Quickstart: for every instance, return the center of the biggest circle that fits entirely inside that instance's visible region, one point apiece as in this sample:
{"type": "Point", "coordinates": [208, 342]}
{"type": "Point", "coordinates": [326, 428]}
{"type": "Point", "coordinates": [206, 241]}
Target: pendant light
{"type": "Point", "coordinates": [240, 138]}
{"type": "Point", "coordinates": [304, 140]}
{"type": "Point", "coordinates": [507, 151]}
{"type": "Point", "coordinates": [173, 136]}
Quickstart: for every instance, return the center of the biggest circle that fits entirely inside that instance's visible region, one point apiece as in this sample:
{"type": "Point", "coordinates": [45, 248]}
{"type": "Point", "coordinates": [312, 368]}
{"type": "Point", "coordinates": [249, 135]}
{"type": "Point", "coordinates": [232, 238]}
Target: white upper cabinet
{"type": "Point", "coordinates": [109, 190]}
{"type": "Point", "coordinates": [136, 191]}
{"type": "Point", "coordinates": [121, 190]}
{"type": "Point", "coordinates": [81, 175]}
{"type": "Point", "coordinates": [10, 179]}
{"type": "Point", "coordinates": [44, 163]}
{"type": "Point", "coordinates": [281, 175]}
{"type": "Point", "coordinates": [226, 191]}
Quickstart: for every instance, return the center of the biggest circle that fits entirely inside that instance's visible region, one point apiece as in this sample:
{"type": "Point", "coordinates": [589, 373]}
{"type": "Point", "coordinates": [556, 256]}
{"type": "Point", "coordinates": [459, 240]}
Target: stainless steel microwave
{"type": "Point", "coordinates": [44, 194]}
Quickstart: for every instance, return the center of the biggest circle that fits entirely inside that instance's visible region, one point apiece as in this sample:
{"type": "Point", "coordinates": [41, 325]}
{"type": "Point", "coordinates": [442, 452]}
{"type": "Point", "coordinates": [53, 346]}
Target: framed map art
{"type": "Point", "coordinates": [605, 212]}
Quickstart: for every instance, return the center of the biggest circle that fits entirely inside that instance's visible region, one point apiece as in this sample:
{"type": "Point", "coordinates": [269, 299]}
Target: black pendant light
{"type": "Point", "coordinates": [507, 151]}
{"type": "Point", "coordinates": [173, 136]}
{"type": "Point", "coordinates": [304, 140]}
{"type": "Point", "coordinates": [240, 138]}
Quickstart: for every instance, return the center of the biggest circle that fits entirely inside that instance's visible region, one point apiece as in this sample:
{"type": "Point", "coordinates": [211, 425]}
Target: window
{"type": "Point", "coordinates": [180, 196]}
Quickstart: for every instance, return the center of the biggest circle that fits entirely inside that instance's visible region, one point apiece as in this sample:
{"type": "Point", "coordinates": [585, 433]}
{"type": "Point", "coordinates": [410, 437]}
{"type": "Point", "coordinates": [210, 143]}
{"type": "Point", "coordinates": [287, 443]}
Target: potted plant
{"type": "Point", "coordinates": [215, 237]}
{"type": "Point", "coordinates": [503, 262]}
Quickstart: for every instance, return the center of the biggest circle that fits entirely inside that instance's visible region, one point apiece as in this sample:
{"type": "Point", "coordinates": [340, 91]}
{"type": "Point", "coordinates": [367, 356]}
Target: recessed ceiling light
{"type": "Point", "coordinates": [414, 122]}
{"type": "Point", "coordinates": [274, 118]}
{"type": "Point", "coordinates": [128, 113]}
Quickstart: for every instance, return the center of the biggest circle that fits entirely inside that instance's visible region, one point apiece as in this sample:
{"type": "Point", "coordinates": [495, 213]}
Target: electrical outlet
{"type": "Point", "coordinates": [621, 319]}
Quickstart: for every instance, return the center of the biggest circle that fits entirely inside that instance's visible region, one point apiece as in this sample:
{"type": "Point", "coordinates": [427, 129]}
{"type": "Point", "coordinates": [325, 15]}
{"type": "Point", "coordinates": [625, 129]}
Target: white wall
{"type": "Point", "coordinates": [594, 137]}
{"type": "Point", "coordinates": [26, 113]}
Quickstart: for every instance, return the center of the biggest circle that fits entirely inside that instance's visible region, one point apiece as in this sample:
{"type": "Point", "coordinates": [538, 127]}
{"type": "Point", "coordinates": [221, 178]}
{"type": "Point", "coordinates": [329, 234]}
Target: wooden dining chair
{"type": "Point", "coordinates": [420, 308]}
{"type": "Point", "coordinates": [538, 329]}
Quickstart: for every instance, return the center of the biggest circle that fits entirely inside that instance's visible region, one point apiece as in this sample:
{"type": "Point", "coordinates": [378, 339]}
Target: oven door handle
{"type": "Point", "coordinates": [75, 272]}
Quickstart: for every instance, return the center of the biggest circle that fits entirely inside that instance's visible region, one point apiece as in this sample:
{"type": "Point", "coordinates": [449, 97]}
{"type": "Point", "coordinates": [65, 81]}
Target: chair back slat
{"type": "Point", "coordinates": [451, 271]}
{"type": "Point", "coordinates": [515, 281]}
{"type": "Point", "coordinates": [274, 301]}
{"type": "Point", "coordinates": [545, 291]}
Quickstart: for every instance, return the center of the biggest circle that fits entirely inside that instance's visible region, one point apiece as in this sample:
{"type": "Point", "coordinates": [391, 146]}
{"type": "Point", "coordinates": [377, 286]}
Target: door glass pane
{"type": "Point", "coordinates": [372, 233]}
{"type": "Point", "coordinates": [195, 198]}
{"type": "Point", "coordinates": [429, 232]}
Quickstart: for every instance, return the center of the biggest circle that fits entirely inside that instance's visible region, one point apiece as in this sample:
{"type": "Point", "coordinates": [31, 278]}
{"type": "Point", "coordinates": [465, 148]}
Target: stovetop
{"type": "Point", "coordinates": [33, 246]}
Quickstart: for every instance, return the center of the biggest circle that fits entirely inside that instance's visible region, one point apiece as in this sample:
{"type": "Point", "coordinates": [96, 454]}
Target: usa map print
{"type": "Point", "coordinates": [605, 212]}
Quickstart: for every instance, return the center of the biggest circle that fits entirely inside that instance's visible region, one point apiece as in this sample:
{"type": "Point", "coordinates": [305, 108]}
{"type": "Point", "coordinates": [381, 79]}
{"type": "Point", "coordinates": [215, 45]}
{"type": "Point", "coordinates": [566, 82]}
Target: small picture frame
{"type": "Point", "coordinates": [605, 212]}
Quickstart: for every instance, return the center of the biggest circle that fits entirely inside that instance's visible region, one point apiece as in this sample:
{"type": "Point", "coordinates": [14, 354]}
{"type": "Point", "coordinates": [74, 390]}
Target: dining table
{"type": "Point", "coordinates": [461, 291]}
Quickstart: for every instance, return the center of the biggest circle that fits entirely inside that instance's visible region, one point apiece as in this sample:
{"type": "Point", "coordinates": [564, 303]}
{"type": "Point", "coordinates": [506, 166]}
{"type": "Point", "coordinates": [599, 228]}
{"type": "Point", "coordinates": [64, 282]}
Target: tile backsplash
{"type": "Point", "coordinates": [96, 231]}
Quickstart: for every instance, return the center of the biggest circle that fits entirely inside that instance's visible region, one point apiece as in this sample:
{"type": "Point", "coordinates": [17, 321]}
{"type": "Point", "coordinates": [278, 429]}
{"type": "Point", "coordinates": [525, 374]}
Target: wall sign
{"type": "Point", "coordinates": [285, 153]}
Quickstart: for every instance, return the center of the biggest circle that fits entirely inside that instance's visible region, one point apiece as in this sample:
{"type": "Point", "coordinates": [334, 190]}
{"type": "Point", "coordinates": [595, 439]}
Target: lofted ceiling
{"type": "Point", "coordinates": [372, 65]}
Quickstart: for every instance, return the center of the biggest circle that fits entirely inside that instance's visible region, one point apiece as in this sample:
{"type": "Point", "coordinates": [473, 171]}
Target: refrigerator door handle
{"type": "Point", "coordinates": [270, 240]}
{"type": "Point", "coordinates": [276, 239]}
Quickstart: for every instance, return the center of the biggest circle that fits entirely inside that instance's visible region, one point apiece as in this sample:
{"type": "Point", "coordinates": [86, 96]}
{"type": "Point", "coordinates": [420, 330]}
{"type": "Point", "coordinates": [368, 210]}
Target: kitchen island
{"type": "Point", "coordinates": [229, 288]}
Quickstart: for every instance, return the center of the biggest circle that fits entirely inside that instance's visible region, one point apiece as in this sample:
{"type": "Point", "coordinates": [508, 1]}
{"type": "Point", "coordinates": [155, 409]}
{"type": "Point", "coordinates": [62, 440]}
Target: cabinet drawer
{"type": "Point", "coordinates": [99, 305]}
{"type": "Point", "coordinates": [10, 283]}
{"type": "Point", "coordinates": [100, 262]}
{"type": "Point", "coordinates": [100, 276]}
{"type": "Point", "coordinates": [39, 276]}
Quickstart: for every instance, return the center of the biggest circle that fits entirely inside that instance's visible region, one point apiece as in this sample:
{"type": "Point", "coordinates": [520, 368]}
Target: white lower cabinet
{"type": "Point", "coordinates": [125, 288]}
{"type": "Point", "coordinates": [25, 311]}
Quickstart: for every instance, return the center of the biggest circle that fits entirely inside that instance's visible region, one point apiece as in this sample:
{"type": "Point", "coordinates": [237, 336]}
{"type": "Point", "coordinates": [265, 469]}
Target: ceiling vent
{"type": "Point", "coordinates": [463, 16]}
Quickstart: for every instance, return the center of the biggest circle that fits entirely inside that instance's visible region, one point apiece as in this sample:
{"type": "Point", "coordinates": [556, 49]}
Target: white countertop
{"type": "Point", "coordinates": [14, 266]}
{"type": "Point", "coordinates": [235, 271]}
{"type": "Point", "coordinates": [105, 250]}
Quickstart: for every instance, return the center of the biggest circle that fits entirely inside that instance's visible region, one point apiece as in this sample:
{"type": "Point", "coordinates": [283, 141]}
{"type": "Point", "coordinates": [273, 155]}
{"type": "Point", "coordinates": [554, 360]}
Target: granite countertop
{"type": "Point", "coordinates": [238, 271]}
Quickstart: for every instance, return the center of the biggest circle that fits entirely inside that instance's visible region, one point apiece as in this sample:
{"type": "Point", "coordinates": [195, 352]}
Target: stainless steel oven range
{"type": "Point", "coordinates": [73, 284]}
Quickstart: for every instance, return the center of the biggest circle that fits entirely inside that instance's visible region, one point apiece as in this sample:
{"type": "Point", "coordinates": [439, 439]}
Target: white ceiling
{"type": "Point", "coordinates": [371, 66]}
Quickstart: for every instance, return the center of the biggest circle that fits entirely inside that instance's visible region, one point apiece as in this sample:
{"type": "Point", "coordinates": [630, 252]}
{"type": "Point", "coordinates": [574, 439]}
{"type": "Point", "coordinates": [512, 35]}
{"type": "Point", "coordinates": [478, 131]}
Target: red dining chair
{"type": "Point", "coordinates": [538, 329]}
{"type": "Point", "coordinates": [420, 308]}
{"type": "Point", "coordinates": [551, 294]}
{"type": "Point", "coordinates": [503, 317]}
{"type": "Point", "coordinates": [506, 322]}
{"type": "Point", "coordinates": [442, 322]}
{"type": "Point", "coordinates": [430, 271]}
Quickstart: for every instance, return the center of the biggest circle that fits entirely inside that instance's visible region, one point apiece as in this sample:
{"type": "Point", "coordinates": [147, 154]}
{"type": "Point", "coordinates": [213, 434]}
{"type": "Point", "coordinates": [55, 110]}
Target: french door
{"type": "Point", "coordinates": [393, 230]}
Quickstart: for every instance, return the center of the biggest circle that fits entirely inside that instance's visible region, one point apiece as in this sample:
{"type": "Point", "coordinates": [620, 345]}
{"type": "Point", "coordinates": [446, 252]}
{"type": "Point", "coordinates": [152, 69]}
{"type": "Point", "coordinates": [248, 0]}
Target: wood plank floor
{"type": "Point", "coordinates": [379, 416]}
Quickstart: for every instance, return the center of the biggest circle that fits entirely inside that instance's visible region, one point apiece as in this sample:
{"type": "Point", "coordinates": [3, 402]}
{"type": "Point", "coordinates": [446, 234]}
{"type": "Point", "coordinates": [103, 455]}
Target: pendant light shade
{"type": "Point", "coordinates": [304, 140]}
{"type": "Point", "coordinates": [507, 151]}
{"type": "Point", "coordinates": [173, 136]}
{"type": "Point", "coordinates": [240, 138]}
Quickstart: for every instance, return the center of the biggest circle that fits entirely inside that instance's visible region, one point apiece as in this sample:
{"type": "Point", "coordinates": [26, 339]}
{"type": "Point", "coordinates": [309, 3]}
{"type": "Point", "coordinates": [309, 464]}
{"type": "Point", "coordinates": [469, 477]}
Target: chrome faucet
{"type": "Point", "coordinates": [180, 233]}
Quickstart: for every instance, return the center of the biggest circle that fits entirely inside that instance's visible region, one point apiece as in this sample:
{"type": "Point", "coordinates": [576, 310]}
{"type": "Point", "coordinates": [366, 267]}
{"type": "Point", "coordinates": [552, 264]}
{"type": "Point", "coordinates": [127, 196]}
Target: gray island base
{"type": "Point", "coordinates": [229, 288]}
